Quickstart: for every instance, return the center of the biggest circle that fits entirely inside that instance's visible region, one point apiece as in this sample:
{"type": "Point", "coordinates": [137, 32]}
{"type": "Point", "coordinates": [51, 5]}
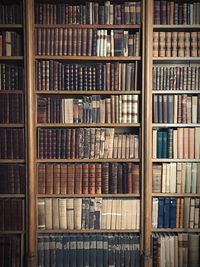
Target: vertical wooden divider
{"type": "Point", "coordinates": [31, 221]}
{"type": "Point", "coordinates": [148, 132]}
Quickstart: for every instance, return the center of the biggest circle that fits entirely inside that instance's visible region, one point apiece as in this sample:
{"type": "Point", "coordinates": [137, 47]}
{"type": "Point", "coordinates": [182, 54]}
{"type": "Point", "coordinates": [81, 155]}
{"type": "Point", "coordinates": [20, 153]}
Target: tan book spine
{"type": "Point", "coordinates": [174, 44]}
{"type": "Point", "coordinates": [77, 213]}
{"type": "Point", "coordinates": [180, 143]}
{"type": "Point", "coordinates": [55, 214]}
{"type": "Point", "coordinates": [185, 143]}
{"type": "Point", "coordinates": [187, 44]}
{"type": "Point", "coordinates": [70, 213]}
{"type": "Point", "coordinates": [168, 44]}
{"type": "Point", "coordinates": [162, 44]}
{"type": "Point", "coordinates": [48, 213]}
{"type": "Point", "coordinates": [155, 44]}
{"type": "Point", "coordinates": [191, 143]}
{"type": "Point", "coordinates": [181, 44]}
{"type": "Point", "coordinates": [197, 142]}
{"type": "Point", "coordinates": [62, 213]}
{"type": "Point", "coordinates": [194, 44]}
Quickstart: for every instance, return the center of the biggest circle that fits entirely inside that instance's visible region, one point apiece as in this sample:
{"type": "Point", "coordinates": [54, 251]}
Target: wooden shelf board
{"type": "Point", "coordinates": [178, 230]}
{"type": "Point", "coordinates": [136, 92]}
{"type": "Point", "coordinates": [87, 195]}
{"type": "Point", "coordinates": [171, 59]}
{"type": "Point", "coordinates": [5, 58]}
{"type": "Point", "coordinates": [89, 26]}
{"type": "Point", "coordinates": [11, 92]}
{"type": "Point", "coordinates": [12, 195]}
{"type": "Point", "coordinates": [88, 58]}
{"type": "Point", "coordinates": [175, 195]}
{"type": "Point", "coordinates": [11, 232]}
{"type": "Point", "coordinates": [175, 160]}
{"type": "Point", "coordinates": [11, 26]}
{"type": "Point", "coordinates": [88, 231]}
{"type": "Point", "coordinates": [165, 125]}
{"type": "Point", "coordinates": [41, 125]}
{"type": "Point", "coordinates": [12, 125]}
{"type": "Point", "coordinates": [84, 160]}
{"type": "Point", "coordinates": [10, 161]}
{"type": "Point", "coordinates": [177, 92]}
{"type": "Point", "coordinates": [179, 26]}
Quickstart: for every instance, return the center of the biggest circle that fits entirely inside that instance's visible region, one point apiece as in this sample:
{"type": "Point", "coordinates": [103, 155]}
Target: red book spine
{"type": "Point", "coordinates": [56, 179]}
{"type": "Point", "coordinates": [70, 180]}
{"type": "Point", "coordinates": [41, 178]}
{"type": "Point", "coordinates": [91, 183]}
{"type": "Point", "coordinates": [85, 179]}
{"type": "Point", "coordinates": [98, 180]}
{"type": "Point", "coordinates": [78, 178]}
{"type": "Point", "coordinates": [63, 178]}
{"type": "Point", "coordinates": [49, 179]}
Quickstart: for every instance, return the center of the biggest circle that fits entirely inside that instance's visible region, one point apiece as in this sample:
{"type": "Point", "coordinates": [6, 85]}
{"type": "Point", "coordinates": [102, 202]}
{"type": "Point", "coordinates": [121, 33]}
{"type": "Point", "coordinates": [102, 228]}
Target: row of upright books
{"type": "Point", "coordinates": [92, 178]}
{"type": "Point", "coordinates": [10, 43]}
{"type": "Point", "coordinates": [86, 42]}
{"type": "Point", "coordinates": [176, 44]}
{"type": "Point", "coordinates": [171, 249]}
{"type": "Point", "coordinates": [176, 212]}
{"type": "Point", "coordinates": [11, 143]}
{"type": "Point", "coordinates": [11, 214]}
{"type": "Point", "coordinates": [54, 75]}
{"type": "Point", "coordinates": [86, 143]}
{"type": "Point", "coordinates": [90, 13]}
{"type": "Point", "coordinates": [11, 108]}
{"type": "Point", "coordinates": [88, 109]}
{"type": "Point", "coordinates": [11, 13]}
{"type": "Point", "coordinates": [88, 213]}
{"type": "Point", "coordinates": [81, 250]}
{"type": "Point", "coordinates": [176, 108]}
{"type": "Point", "coordinates": [180, 177]}
{"type": "Point", "coordinates": [10, 253]}
{"type": "Point", "coordinates": [11, 77]}
{"type": "Point", "coordinates": [12, 179]}
{"type": "Point", "coordinates": [176, 78]}
{"type": "Point", "coordinates": [176, 12]}
{"type": "Point", "coordinates": [180, 143]}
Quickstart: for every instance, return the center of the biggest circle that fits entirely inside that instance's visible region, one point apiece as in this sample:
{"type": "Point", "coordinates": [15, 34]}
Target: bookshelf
{"type": "Point", "coordinates": [12, 127]}
{"type": "Point", "coordinates": [185, 191]}
{"type": "Point", "coordinates": [52, 79]}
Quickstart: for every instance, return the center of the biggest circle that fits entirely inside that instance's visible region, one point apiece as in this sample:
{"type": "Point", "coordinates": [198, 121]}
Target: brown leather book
{"type": "Point", "coordinates": [91, 179]}
{"type": "Point", "coordinates": [85, 178]}
{"type": "Point", "coordinates": [74, 42]}
{"type": "Point", "coordinates": [155, 44]}
{"type": "Point", "coordinates": [78, 178]}
{"type": "Point", "coordinates": [68, 144]}
{"type": "Point", "coordinates": [162, 44]}
{"type": "Point", "coordinates": [69, 51]}
{"type": "Point", "coordinates": [49, 179]}
{"type": "Point", "coordinates": [129, 179]}
{"type": "Point", "coordinates": [84, 42]}
{"type": "Point", "coordinates": [113, 179]}
{"type": "Point", "coordinates": [41, 178]}
{"type": "Point", "coordinates": [98, 178]}
{"type": "Point", "coordinates": [136, 179]}
{"type": "Point", "coordinates": [105, 178]}
{"type": "Point", "coordinates": [120, 178]}
{"type": "Point", "coordinates": [71, 178]}
{"type": "Point", "coordinates": [174, 44]}
{"type": "Point", "coordinates": [63, 179]}
{"type": "Point", "coordinates": [181, 44]}
{"type": "Point", "coordinates": [194, 44]}
{"type": "Point", "coordinates": [56, 179]}
{"type": "Point", "coordinates": [73, 144]}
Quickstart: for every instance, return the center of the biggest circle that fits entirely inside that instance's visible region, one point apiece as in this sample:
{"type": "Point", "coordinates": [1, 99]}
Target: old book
{"type": "Point", "coordinates": [70, 178]}
{"type": "Point", "coordinates": [77, 213]}
{"type": "Point", "coordinates": [155, 44]}
{"type": "Point", "coordinates": [78, 179]}
{"type": "Point", "coordinates": [91, 179]}
{"type": "Point", "coordinates": [41, 214]}
{"type": "Point", "coordinates": [48, 213]}
{"type": "Point", "coordinates": [70, 213]}
{"type": "Point", "coordinates": [41, 179]}
{"type": "Point", "coordinates": [55, 213]}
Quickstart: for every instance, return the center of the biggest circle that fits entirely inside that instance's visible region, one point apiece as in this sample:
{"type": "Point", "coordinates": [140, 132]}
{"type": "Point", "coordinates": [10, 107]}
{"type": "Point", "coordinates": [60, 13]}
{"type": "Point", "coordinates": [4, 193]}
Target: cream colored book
{"type": "Point", "coordinates": [192, 143]}
{"type": "Point", "coordinates": [123, 146]}
{"type": "Point", "coordinates": [77, 213]}
{"type": "Point", "coordinates": [110, 142]}
{"type": "Point", "coordinates": [185, 143]}
{"type": "Point", "coordinates": [172, 184]}
{"type": "Point", "coordinates": [155, 213]}
{"type": "Point", "coordinates": [164, 177]}
{"type": "Point", "coordinates": [48, 213]}
{"type": "Point", "coordinates": [168, 177]}
{"type": "Point", "coordinates": [131, 146]}
{"type": "Point", "coordinates": [138, 214]}
{"type": "Point", "coordinates": [178, 177]}
{"type": "Point", "coordinates": [132, 210]}
{"type": "Point", "coordinates": [175, 108]}
{"type": "Point", "coordinates": [113, 214]}
{"type": "Point", "coordinates": [183, 178]}
{"type": "Point", "coordinates": [70, 213]}
{"type": "Point", "coordinates": [154, 147]}
{"type": "Point", "coordinates": [108, 213]}
{"type": "Point", "coordinates": [194, 178]}
{"type": "Point", "coordinates": [62, 213]}
{"type": "Point", "coordinates": [162, 251]}
{"type": "Point", "coordinates": [55, 213]}
{"type": "Point", "coordinates": [124, 214]}
{"type": "Point", "coordinates": [179, 146]}
{"type": "Point", "coordinates": [118, 213]}
{"type": "Point", "coordinates": [188, 175]}
{"type": "Point", "coordinates": [198, 178]}
{"type": "Point", "coordinates": [41, 214]}
{"type": "Point", "coordinates": [167, 251]}
{"type": "Point", "coordinates": [104, 214]}
{"type": "Point", "coordinates": [176, 256]}
{"type": "Point", "coordinates": [194, 109]}
{"type": "Point", "coordinates": [193, 250]}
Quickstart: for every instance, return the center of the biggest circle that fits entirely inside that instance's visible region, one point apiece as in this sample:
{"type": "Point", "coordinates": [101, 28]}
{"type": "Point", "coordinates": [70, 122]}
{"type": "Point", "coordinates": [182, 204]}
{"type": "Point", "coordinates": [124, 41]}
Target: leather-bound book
{"type": "Point", "coordinates": [113, 179]}
{"type": "Point", "coordinates": [78, 179]}
{"type": "Point", "coordinates": [71, 178]}
{"type": "Point", "coordinates": [91, 182]}
{"type": "Point", "coordinates": [41, 178]}
{"type": "Point", "coordinates": [136, 179]}
{"type": "Point", "coordinates": [63, 178]}
{"type": "Point", "coordinates": [56, 179]}
{"type": "Point", "coordinates": [49, 179]}
{"type": "Point", "coordinates": [105, 178]}
{"type": "Point", "coordinates": [85, 178]}
{"type": "Point", "coordinates": [98, 178]}
{"type": "Point", "coordinates": [120, 178]}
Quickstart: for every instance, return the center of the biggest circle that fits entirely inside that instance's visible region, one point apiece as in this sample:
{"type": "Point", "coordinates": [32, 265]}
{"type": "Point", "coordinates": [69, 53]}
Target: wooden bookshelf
{"type": "Point", "coordinates": [176, 230]}
{"type": "Point", "coordinates": [88, 125]}
{"type": "Point", "coordinates": [175, 195]}
{"type": "Point", "coordinates": [180, 26]}
{"type": "Point", "coordinates": [88, 58]}
{"type": "Point", "coordinates": [88, 26]}
{"type": "Point", "coordinates": [165, 125]}
{"type": "Point", "coordinates": [84, 160]}
{"type": "Point", "coordinates": [11, 26]}
{"type": "Point", "coordinates": [12, 125]}
{"type": "Point", "coordinates": [177, 92]}
{"type": "Point", "coordinates": [88, 195]}
{"type": "Point", "coordinates": [88, 231]}
{"type": "Point", "coordinates": [11, 58]}
{"type": "Point", "coordinates": [12, 195]}
{"type": "Point", "coordinates": [64, 92]}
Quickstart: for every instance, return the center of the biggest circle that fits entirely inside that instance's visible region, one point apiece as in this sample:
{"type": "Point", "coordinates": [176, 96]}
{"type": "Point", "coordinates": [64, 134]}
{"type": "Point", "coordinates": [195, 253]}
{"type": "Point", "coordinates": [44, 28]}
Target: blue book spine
{"type": "Point", "coordinates": [79, 241]}
{"type": "Point", "coordinates": [164, 144]}
{"type": "Point", "coordinates": [160, 212]}
{"type": "Point", "coordinates": [159, 144]}
{"type": "Point", "coordinates": [59, 250]}
{"type": "Point", "coordinates": [173, 212]}
{"type": "Point", "coordinates": [66, 250]}
{"type": "Point", "coordinates": [166, 212]}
